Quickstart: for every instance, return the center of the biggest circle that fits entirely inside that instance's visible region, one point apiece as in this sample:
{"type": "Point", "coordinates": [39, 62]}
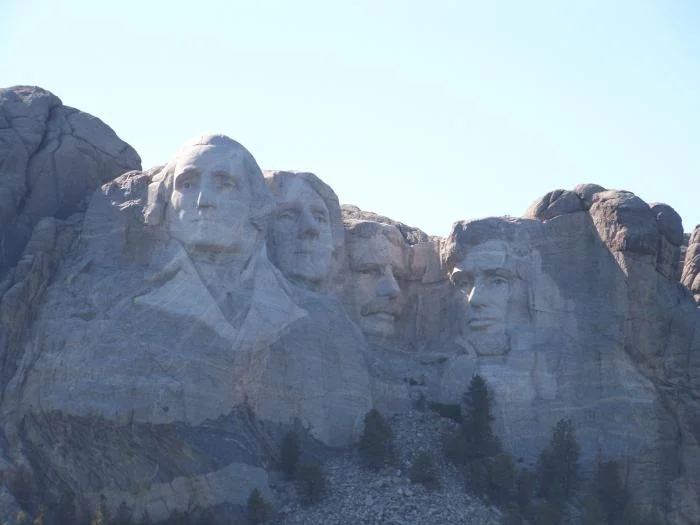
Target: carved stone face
{"type": "Point", "coordinates": [484, 282]}
{"type": "Point", "coordinates": [300, 239]}
{"type": "Point", "coordinates": [378, 301]}
{"type": "Point", "coordinates": [209, 207]}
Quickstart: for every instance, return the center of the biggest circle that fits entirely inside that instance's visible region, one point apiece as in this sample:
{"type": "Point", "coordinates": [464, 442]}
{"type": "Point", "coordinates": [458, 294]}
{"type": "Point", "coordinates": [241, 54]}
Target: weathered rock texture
{"type": "Point", "coordinates": [156, 346]}
{"type": "Point", "coordinates": [51, 157]}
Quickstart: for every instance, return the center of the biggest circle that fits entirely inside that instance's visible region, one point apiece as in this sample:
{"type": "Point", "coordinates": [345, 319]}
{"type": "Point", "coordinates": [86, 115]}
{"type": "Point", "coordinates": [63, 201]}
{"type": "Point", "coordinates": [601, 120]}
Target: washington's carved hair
{"type": "Point", "coordinates": [161, 186]}
{"type": "Point", "coordinates": [278, 181]}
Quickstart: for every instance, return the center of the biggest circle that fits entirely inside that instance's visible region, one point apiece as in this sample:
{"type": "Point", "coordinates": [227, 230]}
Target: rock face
{"type": "Point", "coordinates": [51, 157]}
{"type": "Point", "coordinates": [691, 264]}
{"type": "Point", "coordinates": [157, 346]}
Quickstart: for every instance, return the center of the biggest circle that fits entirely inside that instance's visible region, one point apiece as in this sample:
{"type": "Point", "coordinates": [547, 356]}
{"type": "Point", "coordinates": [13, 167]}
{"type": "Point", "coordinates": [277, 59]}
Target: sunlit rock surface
{"type": "Point", "coordinates": [157, 345]}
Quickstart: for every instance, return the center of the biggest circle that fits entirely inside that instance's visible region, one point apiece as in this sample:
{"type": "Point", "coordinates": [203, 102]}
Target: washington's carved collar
{"type": "Point", "coordinates": [267, 305]}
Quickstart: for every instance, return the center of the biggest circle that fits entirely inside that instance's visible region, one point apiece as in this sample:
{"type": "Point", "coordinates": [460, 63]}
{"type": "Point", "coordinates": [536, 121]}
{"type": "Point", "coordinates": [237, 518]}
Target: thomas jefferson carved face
{"type": "Point", "coordinates": [376, 262]}
{"type": "Point", "coordinates": [300, 237]}
{"type": "Point", "coordinates": [209, 209]}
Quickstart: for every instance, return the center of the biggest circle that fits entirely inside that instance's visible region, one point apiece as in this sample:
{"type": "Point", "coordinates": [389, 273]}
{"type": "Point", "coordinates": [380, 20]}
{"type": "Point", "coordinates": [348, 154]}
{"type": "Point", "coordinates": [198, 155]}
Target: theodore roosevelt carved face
{"type": "Point", "coordinates": [377, 262]}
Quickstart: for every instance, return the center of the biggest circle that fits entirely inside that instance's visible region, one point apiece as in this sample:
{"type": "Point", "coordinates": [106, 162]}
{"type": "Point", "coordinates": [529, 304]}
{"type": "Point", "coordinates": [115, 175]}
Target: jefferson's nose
{"type": "Point", "coordinates": [308, 227]}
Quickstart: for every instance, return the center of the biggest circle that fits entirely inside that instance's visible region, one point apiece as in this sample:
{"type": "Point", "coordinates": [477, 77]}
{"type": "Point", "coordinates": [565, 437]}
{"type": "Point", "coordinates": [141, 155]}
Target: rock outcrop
{"type": "Point", "coordinates": [158, 344]}
{"type": "Point", "coordinates": [51, 157]}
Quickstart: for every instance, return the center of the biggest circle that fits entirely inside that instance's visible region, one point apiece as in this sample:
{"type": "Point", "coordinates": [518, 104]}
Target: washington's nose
{"type": "Point", "coordinates": [388, 287]}
{"type": "Point", "coordinates": [308, 228]}
{"type": "Point", "coordinates": [205, 199]}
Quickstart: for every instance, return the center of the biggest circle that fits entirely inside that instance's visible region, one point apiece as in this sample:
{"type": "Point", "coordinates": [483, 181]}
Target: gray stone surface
{"type": "Point", "coordinates": [156, 346]}
{"type": "Point", "coordinates": [51, 157]}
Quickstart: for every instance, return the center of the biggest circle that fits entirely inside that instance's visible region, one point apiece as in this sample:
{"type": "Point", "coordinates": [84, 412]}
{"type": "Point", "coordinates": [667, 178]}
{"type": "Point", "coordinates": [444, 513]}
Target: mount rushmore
{"type": "Point", "coordinates": [161, 329]}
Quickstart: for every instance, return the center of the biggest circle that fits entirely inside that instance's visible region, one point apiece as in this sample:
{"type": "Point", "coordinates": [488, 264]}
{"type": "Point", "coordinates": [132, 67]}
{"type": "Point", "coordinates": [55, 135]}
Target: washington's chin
{"type": "Point", "coordinates": [379, 324]}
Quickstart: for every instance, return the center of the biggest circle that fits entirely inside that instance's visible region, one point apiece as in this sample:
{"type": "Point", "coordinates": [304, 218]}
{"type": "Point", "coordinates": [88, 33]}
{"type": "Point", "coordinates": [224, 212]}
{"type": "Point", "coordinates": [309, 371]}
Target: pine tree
{"type": "Point", "coordinates": [311, 483]}
{"type": "Point", "coordinates": [610, 491]}
{"type": "Point", "coordinates": [123, 515]}
{"type": "Point", "coordinates": [558, 466]}
{"type": "Point", "coordinates": [376, 447]}
{"type": "Point", "coordinates": [290, 451]}
{"type": "Point", "coordinates": [259, 510]}
{"type": "Point", "coordinates": [480, 440]}
{"type": "Point", "coordinates": [64, 513]}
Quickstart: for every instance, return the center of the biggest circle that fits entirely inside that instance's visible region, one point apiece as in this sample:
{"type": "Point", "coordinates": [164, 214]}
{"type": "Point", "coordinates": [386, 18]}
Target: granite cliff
{"type": "Point", "coordinates": [158, 340]}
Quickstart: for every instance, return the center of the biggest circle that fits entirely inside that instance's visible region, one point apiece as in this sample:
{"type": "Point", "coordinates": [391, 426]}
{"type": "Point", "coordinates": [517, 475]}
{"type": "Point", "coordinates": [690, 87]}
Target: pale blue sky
{"type": "Point", "coordinates": [428, 112]}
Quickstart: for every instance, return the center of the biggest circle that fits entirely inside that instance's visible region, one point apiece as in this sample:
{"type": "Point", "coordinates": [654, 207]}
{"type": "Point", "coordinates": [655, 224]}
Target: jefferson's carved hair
{"type": "Point", "coordinates": [161, 186]}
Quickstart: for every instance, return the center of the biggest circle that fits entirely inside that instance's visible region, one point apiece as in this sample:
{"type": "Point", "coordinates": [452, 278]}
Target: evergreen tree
{"type": "Point", "coordinates": [64, 513]}
{"type": "Point", "coordinates": [593, 513]}
{"type": "Point", "coordinates": [376, 447]}
{"type": "Point", "coordinates": [290, 451]}
{"type": "Point", "coordinates": [501, 478]}
{"type": "Point", "coordinates": [480, 441]}
{"type": "Point", "coordinates": [558, 466]}
{"type": "Point", "coordinates": [258, 510]}
{"type": "Point", "coordinates": [123, 515]}
{"type": "Point", "coordinates": [423, 470]}
{"type": "Point", "coordinates": [311, 483]}
{"type": "Point", "coordinates": [611, 492]}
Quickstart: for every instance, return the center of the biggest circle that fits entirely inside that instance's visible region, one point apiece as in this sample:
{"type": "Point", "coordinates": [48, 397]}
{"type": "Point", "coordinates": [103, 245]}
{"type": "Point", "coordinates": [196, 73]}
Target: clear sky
{"type": "Point", "coordinates": [427, 112]}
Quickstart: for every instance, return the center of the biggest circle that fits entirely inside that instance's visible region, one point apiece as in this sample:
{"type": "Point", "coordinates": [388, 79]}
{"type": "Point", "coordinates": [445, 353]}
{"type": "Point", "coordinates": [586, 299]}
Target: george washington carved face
{"type": "Point", "coordinates": [212, 197]}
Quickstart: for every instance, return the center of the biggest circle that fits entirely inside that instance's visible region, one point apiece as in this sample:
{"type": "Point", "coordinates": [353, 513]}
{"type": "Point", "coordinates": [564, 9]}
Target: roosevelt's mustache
{"type": "Point", "coordinates": [381, 306]}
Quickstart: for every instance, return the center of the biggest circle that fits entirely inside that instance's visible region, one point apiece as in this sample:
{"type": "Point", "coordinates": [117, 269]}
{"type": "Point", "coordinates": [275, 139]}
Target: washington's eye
{"type": "Point", "coordinates": [227, 182]}
{"type": "Point", "coordinates": [288, 214]}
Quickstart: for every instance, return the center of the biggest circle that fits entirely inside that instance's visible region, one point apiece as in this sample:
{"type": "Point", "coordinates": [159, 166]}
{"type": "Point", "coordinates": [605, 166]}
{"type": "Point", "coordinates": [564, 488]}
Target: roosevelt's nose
{"type": "Point", "coordinates": [308, 227]}
{"type": "Point", "coordinates": [207, 193]}
{"type": "Point", "coordinates": [388, 286]}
